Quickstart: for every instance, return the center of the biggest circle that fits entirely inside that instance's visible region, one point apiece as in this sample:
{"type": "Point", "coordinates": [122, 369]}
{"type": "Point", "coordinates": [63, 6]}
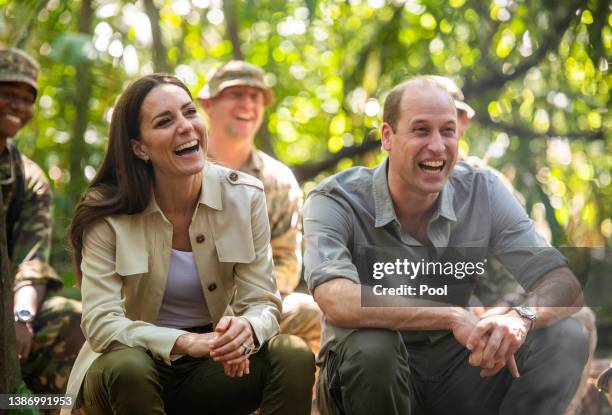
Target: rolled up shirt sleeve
{"type": "Point", "coordinates": [104, 321]}
{"type": "Point", "coordinates": [327, 235]}
{"type": "Point", "coordinates": [526, 254]}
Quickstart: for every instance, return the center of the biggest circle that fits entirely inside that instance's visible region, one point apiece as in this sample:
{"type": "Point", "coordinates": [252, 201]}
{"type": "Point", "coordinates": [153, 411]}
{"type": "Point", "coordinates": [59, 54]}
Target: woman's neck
{"type": "Point", "coordinates": [178, 196]}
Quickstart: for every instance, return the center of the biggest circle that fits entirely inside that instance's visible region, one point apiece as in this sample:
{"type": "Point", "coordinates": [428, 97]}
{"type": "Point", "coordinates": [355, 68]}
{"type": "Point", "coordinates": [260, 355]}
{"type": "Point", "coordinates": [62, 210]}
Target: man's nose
{"type": "Point", "coordinates": [436, 143]}
{"type": "Point", "coordinates": [247, 101]}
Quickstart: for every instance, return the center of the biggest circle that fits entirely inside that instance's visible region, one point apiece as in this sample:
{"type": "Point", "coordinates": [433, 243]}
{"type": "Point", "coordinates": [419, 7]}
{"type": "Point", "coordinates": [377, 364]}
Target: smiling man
{"type": "Point", "coordinates": [234, 100]}
{"type": "Point", "coordinates": [413, 355]}
{"type": "Point", "coordinates": [47, 328]}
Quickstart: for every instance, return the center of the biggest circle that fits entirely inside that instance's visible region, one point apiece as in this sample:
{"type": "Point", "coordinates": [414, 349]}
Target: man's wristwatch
{"type": "Point", "coordinates": [526, 312]}
{"type": "Point", "coordinates": [25, 316]}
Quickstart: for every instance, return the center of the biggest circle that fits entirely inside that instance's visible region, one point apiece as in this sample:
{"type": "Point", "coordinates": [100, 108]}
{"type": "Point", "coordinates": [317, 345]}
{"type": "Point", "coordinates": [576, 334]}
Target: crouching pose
{"type": "Point", "coordinates": [164, 242]}
{"type": "Point", "coordinates": [413, 355]}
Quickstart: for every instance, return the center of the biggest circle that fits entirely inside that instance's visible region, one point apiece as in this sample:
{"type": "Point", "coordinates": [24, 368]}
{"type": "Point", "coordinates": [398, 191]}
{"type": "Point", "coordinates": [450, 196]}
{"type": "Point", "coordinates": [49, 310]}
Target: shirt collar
{"type": "Point", "coordinates": [383, 204]}
{"type": "Point", "coordinates": [253, 164]}
{"type": "Point", "coordinates": [211, 188]}
{"type": "Point", "coordinates": [152, 206]}
{"type": "Point", "coordinates": [209, 196]}
{"type": "Point", "coordinates": [6, 160]}
{"type": "Point", "coordinates": [445, 206]}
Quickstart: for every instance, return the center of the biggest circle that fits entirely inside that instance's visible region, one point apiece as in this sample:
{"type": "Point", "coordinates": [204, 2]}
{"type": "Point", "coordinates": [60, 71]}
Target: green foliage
{"type": "Point", "coordinates": [536, 72]}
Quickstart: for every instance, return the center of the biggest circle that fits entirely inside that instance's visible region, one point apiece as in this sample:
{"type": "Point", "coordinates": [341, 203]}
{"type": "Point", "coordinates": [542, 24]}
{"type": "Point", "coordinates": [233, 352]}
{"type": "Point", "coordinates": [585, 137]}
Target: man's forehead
{"type": "Point", "coordinates": [427, 103]}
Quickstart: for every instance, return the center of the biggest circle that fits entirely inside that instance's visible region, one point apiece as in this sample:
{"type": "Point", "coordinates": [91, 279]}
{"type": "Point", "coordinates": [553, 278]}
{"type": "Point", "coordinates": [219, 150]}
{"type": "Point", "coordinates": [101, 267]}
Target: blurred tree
{"type": "Point", "coordinates": [159, 49]}
{"type": "Point", "coordinates": [229, 11]}
{"type": "Point", "coordinates": [83, 80]}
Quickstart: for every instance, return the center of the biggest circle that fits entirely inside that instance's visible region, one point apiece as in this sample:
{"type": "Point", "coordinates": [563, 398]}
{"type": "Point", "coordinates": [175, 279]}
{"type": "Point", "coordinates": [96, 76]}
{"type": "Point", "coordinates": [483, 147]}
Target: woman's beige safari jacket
{"type": "Point", "coordinates": [125, 268]}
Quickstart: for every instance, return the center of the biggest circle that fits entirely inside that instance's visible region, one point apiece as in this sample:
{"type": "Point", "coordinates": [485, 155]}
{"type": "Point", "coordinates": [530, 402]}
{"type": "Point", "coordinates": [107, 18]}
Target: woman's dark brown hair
{"type": "Point", "coordinates": [123, 184]}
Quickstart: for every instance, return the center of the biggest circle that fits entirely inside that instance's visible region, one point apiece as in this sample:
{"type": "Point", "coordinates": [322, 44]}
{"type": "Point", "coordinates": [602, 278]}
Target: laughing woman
{"type": "Point", "coordinates": [164, 242]}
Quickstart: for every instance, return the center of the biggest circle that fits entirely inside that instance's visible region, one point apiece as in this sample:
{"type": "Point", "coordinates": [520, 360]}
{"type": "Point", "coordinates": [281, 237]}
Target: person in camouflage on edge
{"type": "Point", "coordinates": [234, 100]}
{"type": "Point", "coordinates": [47, 328]}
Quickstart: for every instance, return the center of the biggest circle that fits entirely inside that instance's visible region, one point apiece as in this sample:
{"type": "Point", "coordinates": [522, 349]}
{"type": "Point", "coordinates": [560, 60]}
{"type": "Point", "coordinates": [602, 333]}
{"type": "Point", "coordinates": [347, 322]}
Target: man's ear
{"type": "Point", "coordinates": [205, 103]}
{"type": "Point", "coordinates": [462, 122]}
{"type": "Point", "coordinates": [386, 133]}
{"type": "Point", "coordinates": [139, 150]}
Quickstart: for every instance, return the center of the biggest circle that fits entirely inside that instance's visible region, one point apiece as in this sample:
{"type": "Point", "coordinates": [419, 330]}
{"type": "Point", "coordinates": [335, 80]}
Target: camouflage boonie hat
{"type": "Point", "coordinates": [235, 73]}
{"type": "Point", "coordinates": [18, 66]}
{"type": "Point", "coordinates": [456, 93]}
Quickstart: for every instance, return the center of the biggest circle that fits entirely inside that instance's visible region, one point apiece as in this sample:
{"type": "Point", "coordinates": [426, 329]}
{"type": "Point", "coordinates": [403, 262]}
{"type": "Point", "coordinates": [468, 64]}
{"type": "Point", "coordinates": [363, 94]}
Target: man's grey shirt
{"type": "Point", "coordinates": [351, 215]}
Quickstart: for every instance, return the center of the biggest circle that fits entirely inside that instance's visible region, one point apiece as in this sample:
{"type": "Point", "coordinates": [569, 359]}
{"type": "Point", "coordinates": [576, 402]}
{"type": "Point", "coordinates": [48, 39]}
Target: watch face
{"type": "Point", "coordinates": [24, 316]}
{"type": "Point", "coordinates": [526, 312]}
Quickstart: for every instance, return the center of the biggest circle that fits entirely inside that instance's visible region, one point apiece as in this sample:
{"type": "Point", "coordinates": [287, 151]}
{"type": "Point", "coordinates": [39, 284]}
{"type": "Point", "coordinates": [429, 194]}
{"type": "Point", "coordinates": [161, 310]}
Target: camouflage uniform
{"type": "Point", "coordinates": [301, 316]}
{"type": "Point", "coordinates": [284, 200]}
{"type": "Point", "coordinates": [28, 211]}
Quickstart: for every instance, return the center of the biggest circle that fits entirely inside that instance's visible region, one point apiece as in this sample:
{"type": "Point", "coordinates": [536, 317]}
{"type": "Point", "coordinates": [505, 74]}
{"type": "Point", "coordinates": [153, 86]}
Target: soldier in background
{"type": "Point", "coordinates": [47, 328]}
{"type": "Point", "coordinates": [234, 100]}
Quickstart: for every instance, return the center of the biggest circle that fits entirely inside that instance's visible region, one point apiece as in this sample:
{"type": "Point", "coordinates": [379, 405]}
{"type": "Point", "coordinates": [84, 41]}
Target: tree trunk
{"type": "Point", "coordinates": [231, 28]}
{"type": "Point", "coordinates": [160, 60]}
{"type": "Point", "coordinates": [81, 102]}
{"type": "Point", "coordinates": [10, 372]}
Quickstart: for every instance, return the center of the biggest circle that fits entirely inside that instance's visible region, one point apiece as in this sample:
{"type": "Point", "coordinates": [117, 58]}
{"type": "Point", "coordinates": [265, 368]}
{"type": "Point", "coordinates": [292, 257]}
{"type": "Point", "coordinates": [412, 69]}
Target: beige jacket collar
{"type": "Point", "coordinates": [210, 195]}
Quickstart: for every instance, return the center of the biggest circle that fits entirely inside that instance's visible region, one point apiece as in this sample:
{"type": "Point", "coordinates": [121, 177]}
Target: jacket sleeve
{"type": "Point", "coordinates": [257, 298]}
{"type": "Point", "coordinates": [104, 322]}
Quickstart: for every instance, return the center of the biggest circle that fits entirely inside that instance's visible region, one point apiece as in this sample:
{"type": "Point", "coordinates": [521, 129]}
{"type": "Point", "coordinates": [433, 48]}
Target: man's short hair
{"type": "Point", "coordinates": [235, 73]}
{"type": "Point", "coordinates": [391, 110]}
{"type": "Point", "coordinates": [18, 66]}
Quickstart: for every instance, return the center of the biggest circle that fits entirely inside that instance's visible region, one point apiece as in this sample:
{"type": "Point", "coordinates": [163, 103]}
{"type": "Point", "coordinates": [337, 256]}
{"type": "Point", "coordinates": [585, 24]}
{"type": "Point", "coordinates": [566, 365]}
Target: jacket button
{"type": "Point", "coordinates": [200, 238]}
{"type": "Point", "coordinates": [212, 287]}
{"type": "Point", "coordinates": [233, 176]}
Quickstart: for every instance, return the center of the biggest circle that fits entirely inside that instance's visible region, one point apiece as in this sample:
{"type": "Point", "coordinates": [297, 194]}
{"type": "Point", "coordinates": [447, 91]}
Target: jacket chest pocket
{"type": "Point", "coordinates": [230, 256]}
{"type": "Point", "coordinates": [131, 251]}
{"type": "Point", "coordinates": [131, 262]}
{"type": "Point", "coordinates": [235, 248]}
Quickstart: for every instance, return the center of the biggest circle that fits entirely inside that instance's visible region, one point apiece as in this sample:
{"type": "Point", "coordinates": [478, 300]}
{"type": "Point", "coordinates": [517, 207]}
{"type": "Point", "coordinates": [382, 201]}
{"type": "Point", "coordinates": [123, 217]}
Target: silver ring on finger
{"type": "Point", "coordinates": [246, 350]}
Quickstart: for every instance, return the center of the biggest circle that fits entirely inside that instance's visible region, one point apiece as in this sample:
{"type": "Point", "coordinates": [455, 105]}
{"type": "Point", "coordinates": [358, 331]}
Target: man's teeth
{"type": "Point", "coordinates": [186, 145]}
{"type": "Point", "coordinates": [243, 117]}
{"type": "Point", "coordinates": [433, 164]}
{"type": "Point", "coordinates": [12, 118]}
